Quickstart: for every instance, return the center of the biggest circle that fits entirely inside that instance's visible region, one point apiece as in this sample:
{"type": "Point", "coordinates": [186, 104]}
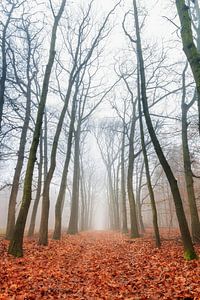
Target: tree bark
{"type": "Point", "coordinates": [38, 193]}
{"type": "Point", "coordinates": [123, 186]}
{"type": "Point", "coordinates": [73, 222]}
{"type": "Point", "coordinates": [131, 197]}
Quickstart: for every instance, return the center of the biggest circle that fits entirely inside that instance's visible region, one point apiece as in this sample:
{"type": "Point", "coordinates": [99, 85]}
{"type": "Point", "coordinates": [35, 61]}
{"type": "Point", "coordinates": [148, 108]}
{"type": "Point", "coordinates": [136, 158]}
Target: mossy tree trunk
{"type": "Point", "coordinates": [195, 224]}
{"type": "Point", "coordinates": [16, 243]}
{"type": "Point", "coordinates": [191, 51]}
{"type": "Point", "coordinates": [189, 252]}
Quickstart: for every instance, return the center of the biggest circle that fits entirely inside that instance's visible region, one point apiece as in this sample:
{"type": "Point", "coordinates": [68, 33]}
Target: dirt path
{"type": "Point", "coordinates": [99, 265]}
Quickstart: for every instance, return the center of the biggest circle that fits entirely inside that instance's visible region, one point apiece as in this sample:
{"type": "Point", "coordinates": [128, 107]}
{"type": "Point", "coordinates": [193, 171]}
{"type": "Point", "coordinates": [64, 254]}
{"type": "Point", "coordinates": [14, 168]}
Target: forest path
{"type": "Point", "coordinates": [99, 265]}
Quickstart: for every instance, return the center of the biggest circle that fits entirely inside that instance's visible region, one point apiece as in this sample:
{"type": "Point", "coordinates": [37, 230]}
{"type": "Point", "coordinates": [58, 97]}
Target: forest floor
{"type": "Point", "coordinates": [100, 265]}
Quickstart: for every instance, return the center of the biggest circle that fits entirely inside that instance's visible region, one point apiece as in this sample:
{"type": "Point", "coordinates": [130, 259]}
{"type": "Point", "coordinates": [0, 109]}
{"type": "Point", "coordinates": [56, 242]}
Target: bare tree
{"type": "Point", "coordinates": [16, 244]}
{"type": "Point", "coordinates": [25, 83]}
{"type": "Point", "coordinates": [189, 252]}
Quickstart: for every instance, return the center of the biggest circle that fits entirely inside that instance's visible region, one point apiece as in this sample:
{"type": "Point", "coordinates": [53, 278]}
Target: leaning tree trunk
{"type": "Point", "coordinates": [16, 244]}
{"type": "Point", "coordinates": [189, 252]}
{"type": "Point", "coordinates": [38, 193]}
{"type": "Point", "coordinates": [195, 224]}
{"type": "Point", "coordinates": [73, 222]}
{"type": "Point", "coordinates": [148, 177]}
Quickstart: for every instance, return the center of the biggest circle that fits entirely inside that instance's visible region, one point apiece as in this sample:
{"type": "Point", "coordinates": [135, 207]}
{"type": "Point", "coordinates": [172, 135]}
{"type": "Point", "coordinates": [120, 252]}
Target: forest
{"type": "Point", "coordinates": [99, 149]}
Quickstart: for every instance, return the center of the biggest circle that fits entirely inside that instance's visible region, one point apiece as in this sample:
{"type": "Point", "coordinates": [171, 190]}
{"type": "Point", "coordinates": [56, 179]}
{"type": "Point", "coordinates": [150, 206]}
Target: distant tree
{"type": "Point", "coordinates": [109, 145]}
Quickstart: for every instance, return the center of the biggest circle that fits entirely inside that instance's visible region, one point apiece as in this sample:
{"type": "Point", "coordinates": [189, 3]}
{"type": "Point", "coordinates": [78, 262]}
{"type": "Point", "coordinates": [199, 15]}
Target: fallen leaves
{"type": "Point", "coordinates": [99, 265]}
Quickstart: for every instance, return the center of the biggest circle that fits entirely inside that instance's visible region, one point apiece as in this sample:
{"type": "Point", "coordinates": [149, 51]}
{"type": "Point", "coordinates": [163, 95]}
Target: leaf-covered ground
{"type": "Point", "coordinates": [99, 265]}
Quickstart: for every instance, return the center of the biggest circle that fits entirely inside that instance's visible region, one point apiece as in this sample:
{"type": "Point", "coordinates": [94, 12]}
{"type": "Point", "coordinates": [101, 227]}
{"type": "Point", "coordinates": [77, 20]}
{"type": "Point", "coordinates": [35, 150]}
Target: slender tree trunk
{"type": "Point", "coordinates": [83, 204]}
{"type": "Point", "coordinates": [148, 177]}
{"type": "Point", "coordinates": [131, 197]}
{"type": "Point", "coordinates": [195, 224]}
{"type": "Point", "coordinates": [117, 196]}
{"type": "Point", "coordinates": [112, 199]}
{"type": "Point", "coordinates": [63, 185]}
{"type": "Point", "coordinates": [123, 187]}
{"type": "Point", "coordinates": [16, 244]}
{"type": "Point", "coordinates": [73, 222]}
{"type": "Point", "coordinates": [45, 145]}
{"type": "Point", "coordinates": [189, 252]}
{"type": "Point", "coordinates": [38, 193]}
{"type": "Point", "coordinates": [138, 199]}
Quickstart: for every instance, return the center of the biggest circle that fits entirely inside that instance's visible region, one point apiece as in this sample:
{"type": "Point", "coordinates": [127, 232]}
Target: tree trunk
{"type": "Point", "coordinates": [131, 197]}
{"type": "Point", "coordinates": [45, 146]}
{"type": "Point", "coordinates": [138, 197]}
{"type": "Point", "coordinates": [195, 224]}
{"type": "Point", "coordinates": [123, 185]}
{"type": "Point", "coordinates": [189, 252]}
{"type": "Point", "coordinates": [112, 199]}
{"type": "Point", "coordinates": [148, 177]}
{"type": "Point", "coordinates": [38, 193]}
{"type": "Point", "coordinates": [73, 222]}
{"type": "Point", "coordinates": [16, 244]}
{"type": "Point", "coordinates": [60, 199]}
